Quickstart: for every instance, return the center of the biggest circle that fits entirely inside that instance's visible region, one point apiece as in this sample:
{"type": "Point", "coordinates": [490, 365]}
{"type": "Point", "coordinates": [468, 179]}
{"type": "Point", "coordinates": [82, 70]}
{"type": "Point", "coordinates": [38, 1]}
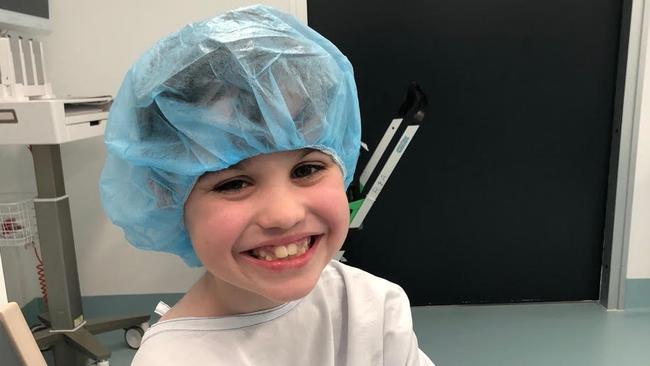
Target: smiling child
{"type": "Point", "coordinates": [230, 144]}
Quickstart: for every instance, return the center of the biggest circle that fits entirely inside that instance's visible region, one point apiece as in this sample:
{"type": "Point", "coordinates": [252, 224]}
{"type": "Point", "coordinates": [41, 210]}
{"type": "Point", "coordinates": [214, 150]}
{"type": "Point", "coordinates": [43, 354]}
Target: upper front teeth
{"type": "Point", "coordinates": [282, 251]}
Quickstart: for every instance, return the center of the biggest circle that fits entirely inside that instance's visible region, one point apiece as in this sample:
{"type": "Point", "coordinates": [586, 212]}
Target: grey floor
{"type": "Point", "coordinates": [533, 334]}
{"type": "Point", "coordinates": [513, 335]}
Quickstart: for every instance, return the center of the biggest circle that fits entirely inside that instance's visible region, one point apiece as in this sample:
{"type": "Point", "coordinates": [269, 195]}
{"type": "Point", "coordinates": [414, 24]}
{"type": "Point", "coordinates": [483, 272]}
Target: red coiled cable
{"type": "Point", "coordinates": [40, 270]}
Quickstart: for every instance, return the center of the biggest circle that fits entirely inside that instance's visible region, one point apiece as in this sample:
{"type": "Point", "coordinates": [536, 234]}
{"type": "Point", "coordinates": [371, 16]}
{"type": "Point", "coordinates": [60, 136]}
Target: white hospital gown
{"type": "Point", "coordinates": [350, 318]}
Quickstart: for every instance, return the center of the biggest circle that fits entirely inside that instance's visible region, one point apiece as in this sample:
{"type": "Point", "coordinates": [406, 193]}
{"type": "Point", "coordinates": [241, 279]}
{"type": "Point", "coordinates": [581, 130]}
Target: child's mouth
{"type": "Point", "coordinates": [283, 252]}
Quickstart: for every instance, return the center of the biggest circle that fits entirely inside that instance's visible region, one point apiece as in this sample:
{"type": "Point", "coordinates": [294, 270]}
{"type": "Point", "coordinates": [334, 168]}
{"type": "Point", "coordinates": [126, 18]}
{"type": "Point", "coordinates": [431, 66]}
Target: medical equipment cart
{"type": "Point", "coordinates": [30, 115]}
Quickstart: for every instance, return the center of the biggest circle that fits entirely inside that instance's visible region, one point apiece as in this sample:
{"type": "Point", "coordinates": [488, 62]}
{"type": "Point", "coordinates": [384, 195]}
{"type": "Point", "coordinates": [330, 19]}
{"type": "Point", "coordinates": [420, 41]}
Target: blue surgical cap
{"type": "Point", "coordinates": [248, 82]}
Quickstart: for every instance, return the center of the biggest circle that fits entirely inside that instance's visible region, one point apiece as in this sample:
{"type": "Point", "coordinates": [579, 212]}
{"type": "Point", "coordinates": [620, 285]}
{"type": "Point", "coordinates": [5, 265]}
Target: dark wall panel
{"type": "Point", "coordinates": [501, 196]}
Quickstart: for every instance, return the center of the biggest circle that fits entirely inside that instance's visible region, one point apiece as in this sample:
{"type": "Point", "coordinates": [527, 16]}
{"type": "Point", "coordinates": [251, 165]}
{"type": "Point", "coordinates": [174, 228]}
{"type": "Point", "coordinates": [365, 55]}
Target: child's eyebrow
{"type": "Point", "coordinates": [242, 164]}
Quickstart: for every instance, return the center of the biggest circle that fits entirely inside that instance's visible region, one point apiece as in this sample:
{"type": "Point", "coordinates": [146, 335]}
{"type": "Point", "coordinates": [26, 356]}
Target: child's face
{"type": "Point", "coordinates": [251, 224]}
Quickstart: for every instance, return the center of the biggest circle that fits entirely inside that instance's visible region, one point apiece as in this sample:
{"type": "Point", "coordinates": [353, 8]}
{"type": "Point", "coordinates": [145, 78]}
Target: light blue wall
{"type": "Point", "coordinates": [637, 293]}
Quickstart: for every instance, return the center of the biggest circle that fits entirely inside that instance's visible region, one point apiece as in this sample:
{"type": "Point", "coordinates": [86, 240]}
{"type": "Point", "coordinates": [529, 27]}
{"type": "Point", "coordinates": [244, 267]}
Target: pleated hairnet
{"type": "Point", "coordinates": [248, 82]}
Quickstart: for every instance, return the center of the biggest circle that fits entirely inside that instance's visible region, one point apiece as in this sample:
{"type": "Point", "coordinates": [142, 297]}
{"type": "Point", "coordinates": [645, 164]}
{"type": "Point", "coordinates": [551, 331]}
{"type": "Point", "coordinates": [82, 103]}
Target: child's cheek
{"type": "Point", "coordinates": [220, 229]}
{"type": "Point", "coordinates": [331, 204]}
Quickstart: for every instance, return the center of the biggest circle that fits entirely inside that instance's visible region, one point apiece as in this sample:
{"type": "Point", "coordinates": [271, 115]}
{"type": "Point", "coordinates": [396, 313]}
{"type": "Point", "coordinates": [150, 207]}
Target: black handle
{"type": "Point", "coordinates": [413, 106]}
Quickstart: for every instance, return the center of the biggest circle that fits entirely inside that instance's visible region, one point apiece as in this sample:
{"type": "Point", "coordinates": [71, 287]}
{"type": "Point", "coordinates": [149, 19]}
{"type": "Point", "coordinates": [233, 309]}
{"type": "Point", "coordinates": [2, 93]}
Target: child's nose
{"type": "Point", "coordinates": [280, 209]}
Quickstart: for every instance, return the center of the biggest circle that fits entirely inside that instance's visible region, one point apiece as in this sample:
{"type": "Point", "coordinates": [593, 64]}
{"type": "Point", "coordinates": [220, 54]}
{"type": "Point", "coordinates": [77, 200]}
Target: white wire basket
{"type": "Point", "coordinates": [17, 220]}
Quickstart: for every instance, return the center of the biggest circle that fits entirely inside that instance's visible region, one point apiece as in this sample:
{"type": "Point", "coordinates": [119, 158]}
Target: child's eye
{"type": "Point", "coordinates": [306, 170]}
{"type": "Point", "coordinates": [232, 186]}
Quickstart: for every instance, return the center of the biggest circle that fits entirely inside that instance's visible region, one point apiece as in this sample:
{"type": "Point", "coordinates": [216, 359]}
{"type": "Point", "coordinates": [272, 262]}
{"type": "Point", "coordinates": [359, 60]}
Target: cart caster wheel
{"type": "Point", "coordinates": [35, 329]}
{"type": "Point", "coordinates": [133, 336]}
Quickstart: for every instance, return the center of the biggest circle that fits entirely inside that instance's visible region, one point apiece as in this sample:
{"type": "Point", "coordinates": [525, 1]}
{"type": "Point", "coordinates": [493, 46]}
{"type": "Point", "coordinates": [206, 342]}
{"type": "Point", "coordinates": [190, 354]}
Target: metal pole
{"type": "Point", "coordinates": [57, 246]}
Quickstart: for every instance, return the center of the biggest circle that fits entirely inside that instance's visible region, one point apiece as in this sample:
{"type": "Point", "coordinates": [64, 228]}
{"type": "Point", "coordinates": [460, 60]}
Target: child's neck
{"type": "Point", "coordinates": [210, 297]}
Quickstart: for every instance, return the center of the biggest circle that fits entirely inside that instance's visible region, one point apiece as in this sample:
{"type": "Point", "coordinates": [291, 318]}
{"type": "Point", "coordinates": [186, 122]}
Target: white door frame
{"type": "Point", "coordinates": [615, 258]}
